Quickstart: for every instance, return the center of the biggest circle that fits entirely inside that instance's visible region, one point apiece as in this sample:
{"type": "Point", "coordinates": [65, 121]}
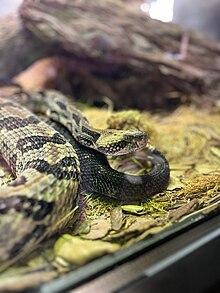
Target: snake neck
{"type": "Point", "coordinates": [60, 109]}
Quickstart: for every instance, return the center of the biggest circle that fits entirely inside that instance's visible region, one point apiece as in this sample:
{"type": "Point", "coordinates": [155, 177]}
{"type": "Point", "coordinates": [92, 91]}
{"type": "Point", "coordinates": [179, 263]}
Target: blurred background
{"type": "Point", "coordinates": [8, 6]}
{"type": "Point", "coordinates": [201, 15]}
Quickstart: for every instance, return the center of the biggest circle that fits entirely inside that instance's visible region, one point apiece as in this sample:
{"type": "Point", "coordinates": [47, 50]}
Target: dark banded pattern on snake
{"type": "Point", "coordinates": [49, 169]}
{"type": "Point", "coordinates": [47, 172]}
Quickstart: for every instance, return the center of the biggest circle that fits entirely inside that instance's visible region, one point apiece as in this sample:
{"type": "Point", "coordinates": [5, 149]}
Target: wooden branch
{"type": "Point", "coordinates": [136, 61]}
{"type": "Point", "coordinates": [18, 47]}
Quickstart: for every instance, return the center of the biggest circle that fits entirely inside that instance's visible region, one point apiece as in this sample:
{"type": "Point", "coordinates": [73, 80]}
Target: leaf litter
{"type": "Point", "coordinates": [190, 140]}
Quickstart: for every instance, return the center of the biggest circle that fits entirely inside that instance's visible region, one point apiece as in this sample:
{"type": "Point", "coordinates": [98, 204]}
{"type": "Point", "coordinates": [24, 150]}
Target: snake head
{"type": "Point", "coordinates": [120, 142]}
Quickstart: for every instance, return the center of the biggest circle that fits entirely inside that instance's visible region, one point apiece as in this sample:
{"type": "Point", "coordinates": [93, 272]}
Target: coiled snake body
{"type": "Point", "coordinates": [51, 168]}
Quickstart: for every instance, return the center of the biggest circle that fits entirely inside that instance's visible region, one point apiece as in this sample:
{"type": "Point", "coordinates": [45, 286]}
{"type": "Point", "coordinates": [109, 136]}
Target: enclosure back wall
{"type": "Point", "coordinates": [110, 49]}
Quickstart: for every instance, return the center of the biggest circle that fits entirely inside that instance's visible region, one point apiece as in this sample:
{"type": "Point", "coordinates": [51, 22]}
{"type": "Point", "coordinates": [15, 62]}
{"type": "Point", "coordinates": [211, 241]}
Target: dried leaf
{"type": "Point", "coordinates": [80, 251]}
{"type": "Point", "coordinates": [98, 229]}
{"type": "Point", "coordinates": [215, 151]}
{"type": "Point", "coordinates": [138, 226]}
{"type": "Point", "coordinates": [175, 183]}
{"type": "Point", "coordinates": [184, 210]}
{"type": "Point", "coordinates": [20, 283]}
{"type": "Point", "coordinates": [134, 209]}
{"type": "Point", "coordinates": [205, 168]}
{"type": "Point", "coordinates": [84, 228]}
{"type": "Point", "coordinates": [117, 218]}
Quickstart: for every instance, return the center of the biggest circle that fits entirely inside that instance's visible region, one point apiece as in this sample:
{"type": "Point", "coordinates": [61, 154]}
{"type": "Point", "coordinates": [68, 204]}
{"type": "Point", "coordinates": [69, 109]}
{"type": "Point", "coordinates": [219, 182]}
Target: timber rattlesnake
{"type": "Point", "coordinates": [50, 168]}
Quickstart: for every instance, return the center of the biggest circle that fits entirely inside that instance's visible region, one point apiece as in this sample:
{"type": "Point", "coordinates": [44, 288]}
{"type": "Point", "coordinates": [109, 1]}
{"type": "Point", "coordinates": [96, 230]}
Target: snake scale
{"type": "Point", "coordinates": [53, 163]}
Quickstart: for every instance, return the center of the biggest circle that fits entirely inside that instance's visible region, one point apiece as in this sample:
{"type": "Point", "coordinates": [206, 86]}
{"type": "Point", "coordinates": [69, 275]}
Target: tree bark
{"type": "Point", "coordinates": [113, 50]}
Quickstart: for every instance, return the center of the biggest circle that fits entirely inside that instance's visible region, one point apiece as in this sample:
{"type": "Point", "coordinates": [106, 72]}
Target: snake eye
{"type": "Point", "coordinates": [128, 137]}
{"type": "Point", "coordinates": [138, 136]}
